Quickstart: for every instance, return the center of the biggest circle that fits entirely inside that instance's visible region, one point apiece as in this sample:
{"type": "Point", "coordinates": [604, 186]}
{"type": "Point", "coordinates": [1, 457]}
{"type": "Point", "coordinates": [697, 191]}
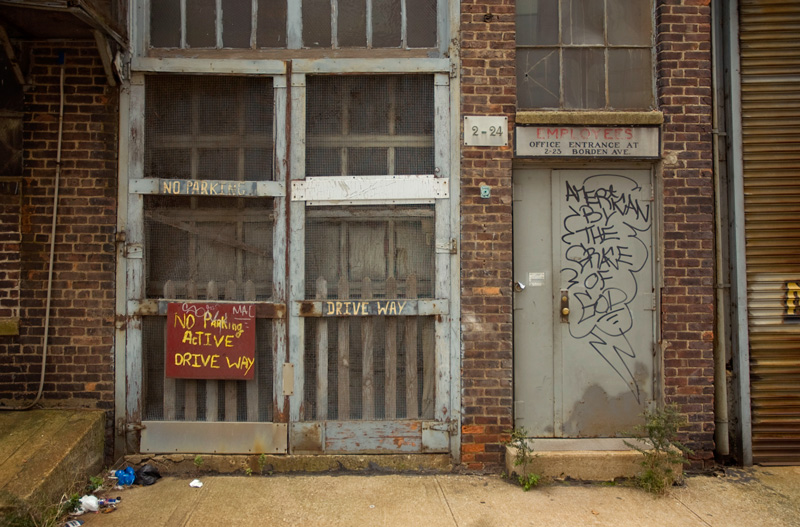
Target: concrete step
{"type": "Point", "coordinates": [601, 459]}
{"type": "Point", "coordinates": [45, 453]}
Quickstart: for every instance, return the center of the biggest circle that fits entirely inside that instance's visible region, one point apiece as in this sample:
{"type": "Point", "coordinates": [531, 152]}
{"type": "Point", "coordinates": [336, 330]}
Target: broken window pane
{"type": "Point", "coordinates": [538, 82]}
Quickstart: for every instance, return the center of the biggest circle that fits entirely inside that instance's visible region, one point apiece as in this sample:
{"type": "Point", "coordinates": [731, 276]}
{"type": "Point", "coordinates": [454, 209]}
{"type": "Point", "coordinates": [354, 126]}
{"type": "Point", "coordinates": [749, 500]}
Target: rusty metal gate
{"type": "Point", "coordinates": [337, 238]}
{"type": "Point", "coordinates": [770, 82]}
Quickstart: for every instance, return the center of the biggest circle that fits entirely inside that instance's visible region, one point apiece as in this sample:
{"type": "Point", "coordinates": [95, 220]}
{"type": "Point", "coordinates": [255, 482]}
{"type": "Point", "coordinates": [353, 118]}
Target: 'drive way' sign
{"type": "Point", "coordinates": [210, 341]}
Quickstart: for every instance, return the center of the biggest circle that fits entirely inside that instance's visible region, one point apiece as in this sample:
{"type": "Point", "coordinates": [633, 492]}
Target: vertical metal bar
{"type": "Point", "coordinates": [741, 337]}
{"type": "Point", "coordinates": [392, 151]}
{"type": "Point", "coordinates": [294, 24]}
{"type": "Point", "coordinates": [335, 24]}
{"type": "Point", "coordinates": [135, 266]}
{"type": "Point", "coordinates": [254, 25]}
{"type": "Point", "coordinates": [279, 240]}
{"type": "Point", "coordinates": [296, 244]}
{"type": "Point", "coordinates": [443, 235]}
{"type": "Point", "coordinates": [218, 23]}
{"type": "Point", "coordinates": [403, 25]}
{"type": "Point", "coordinates": [183, 24]}
{"type": "Point", "coordinates": [121, 311]}
{"type": "Point", "coordinates": [369, 24]}
{"type": "Point", "coordinates": [448, 40]}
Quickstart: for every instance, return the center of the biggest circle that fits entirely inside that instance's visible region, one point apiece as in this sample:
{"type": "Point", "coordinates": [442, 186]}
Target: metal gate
{"type": "Point", "coordinates": [771, 136]}
{"type": "Point", "coordinates": [347, 277]}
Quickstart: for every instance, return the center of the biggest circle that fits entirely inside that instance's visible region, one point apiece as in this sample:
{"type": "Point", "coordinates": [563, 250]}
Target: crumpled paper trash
{"type": "Point", "coordinates": [196, 483]}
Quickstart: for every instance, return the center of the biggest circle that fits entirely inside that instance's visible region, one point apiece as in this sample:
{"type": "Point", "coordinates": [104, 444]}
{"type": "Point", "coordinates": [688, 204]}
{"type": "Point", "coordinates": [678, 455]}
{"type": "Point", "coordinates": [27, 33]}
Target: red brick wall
{"type": "Point", "coordinates": [9, 250]}
{"type": "Point", "coordinates": [687, 300]}
{"type": "Point", "coordinates": [684, 94]}
{"type": "Point", "coordinates": [488, 87]}
{"type": "Point", "coordinates": [80, 353]}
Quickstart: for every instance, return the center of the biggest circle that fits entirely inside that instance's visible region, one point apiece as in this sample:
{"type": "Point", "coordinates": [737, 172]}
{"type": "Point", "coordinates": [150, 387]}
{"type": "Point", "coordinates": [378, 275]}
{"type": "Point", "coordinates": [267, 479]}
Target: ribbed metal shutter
{"type": "Point", "coordinates": [770, 62]}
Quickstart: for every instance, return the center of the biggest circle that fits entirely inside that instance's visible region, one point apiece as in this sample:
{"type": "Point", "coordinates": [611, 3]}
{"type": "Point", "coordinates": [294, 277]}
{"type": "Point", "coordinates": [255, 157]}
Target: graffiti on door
{"type": "Point", "coordinates": [604, 246]}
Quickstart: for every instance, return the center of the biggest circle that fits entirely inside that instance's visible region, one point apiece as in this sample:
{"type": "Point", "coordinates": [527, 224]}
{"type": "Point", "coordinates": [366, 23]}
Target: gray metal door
{"type": "Point", "coordinates": [584, 303]}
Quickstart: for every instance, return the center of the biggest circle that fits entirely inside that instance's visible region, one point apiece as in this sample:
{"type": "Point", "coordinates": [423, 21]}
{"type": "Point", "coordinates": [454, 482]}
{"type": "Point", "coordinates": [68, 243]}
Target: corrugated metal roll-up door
{"type": "Point", "coordinates": [770, 73]}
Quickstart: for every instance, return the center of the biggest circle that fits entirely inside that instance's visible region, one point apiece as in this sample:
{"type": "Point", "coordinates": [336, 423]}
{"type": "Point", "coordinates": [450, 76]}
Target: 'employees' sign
{"type": "Point", "coordinates": [588, 141]}
{"type": "Point", "coordinates": [210, 341]}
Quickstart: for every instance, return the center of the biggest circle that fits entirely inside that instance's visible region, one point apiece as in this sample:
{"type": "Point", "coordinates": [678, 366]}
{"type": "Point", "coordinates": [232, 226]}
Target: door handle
{"type": "Point", "coordinates": [564, 311]}
{"type": "Point", "coordinates": [519, 287]}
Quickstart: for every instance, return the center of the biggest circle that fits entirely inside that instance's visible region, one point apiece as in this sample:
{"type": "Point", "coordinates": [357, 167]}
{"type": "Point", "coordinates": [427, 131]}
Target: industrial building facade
{"type": "Point", "coordinates": [385, 226]}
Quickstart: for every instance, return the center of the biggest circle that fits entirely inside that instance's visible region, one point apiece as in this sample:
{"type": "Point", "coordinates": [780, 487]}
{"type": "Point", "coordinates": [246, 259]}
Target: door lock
{"type": "Point", "coordinates": [519, 287]}
{"type": "Point", "coordinates": [564, 306]}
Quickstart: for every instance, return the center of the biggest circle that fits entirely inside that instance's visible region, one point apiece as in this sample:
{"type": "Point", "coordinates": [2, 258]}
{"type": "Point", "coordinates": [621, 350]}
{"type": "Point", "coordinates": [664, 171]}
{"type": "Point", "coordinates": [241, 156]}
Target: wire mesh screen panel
{"type": "Point", "coordinates": [369, 368]}
{"type": "Point", "coordinates": [379, 366]}
{"type": "Point", "coordinates": [200, 244]}
{"type": "Point", "coordinates": [167, 399]}
{"type": "Point", "coordinates": [209, 128]}
{"type": "Point", "coordinates": [375, 243]}
{"type": "Point", "coordinates": [369, 125]}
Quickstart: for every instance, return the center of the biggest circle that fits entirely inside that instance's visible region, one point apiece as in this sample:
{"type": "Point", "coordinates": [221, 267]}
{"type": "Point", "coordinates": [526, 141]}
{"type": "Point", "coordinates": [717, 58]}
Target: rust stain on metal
{"type": "Point", "coordinates": [307, 308]}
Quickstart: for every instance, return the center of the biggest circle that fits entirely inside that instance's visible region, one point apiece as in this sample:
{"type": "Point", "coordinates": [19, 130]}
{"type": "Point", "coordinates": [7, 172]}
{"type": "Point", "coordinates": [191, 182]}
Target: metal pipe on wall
{"type": "Point", "coordinates": [46, 336]}
{"type": "Point", "coordinates": [721, 434]}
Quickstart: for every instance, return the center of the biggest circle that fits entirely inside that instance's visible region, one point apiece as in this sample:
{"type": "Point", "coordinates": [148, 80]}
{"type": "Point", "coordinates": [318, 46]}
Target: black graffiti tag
{"type": "Point", "coordinates": [603, 252]}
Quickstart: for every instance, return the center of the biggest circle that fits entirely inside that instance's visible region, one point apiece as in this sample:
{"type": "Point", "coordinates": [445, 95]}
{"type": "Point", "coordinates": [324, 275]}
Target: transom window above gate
{"type": "Point", "coordinates": [260, 24]}
{"type": "Point", "coordinates": [585, 54]}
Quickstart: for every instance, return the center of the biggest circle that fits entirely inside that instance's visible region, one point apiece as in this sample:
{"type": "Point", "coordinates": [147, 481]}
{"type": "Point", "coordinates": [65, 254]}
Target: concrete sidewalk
{"type": "Point", "coordinates": [759, 496]}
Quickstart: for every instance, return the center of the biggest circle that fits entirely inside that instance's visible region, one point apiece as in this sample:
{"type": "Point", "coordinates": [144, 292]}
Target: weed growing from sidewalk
{"type": "Point", "coordinates": [198, 461]}
{"type": "Point", "coordinates": [660, 432]}
{"type": "Point", "coordinates": [519, 440]}
{"type": "Point", "coordinates": [262, 461]}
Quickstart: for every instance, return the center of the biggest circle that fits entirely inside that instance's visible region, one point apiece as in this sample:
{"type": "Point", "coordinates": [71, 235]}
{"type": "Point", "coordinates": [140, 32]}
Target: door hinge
{"type": "Point", "coordinates": [450, 247]}
{"type": "Point", "coordinates": [450, 426]}
{"type": "Point", "coordinates": [123, 427]}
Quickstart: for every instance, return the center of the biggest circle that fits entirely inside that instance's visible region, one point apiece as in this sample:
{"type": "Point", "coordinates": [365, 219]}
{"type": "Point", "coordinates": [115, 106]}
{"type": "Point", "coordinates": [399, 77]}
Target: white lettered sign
{"type": "Point", "coordinates": [588, 141]}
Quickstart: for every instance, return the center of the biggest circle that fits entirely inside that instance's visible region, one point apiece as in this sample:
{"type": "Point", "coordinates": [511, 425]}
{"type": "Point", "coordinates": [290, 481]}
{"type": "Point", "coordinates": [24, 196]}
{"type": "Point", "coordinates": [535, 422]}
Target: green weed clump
{"type": "Point", "coordinates": [665, 453]}
{"type": "Point", "coordinates": [527, 480]}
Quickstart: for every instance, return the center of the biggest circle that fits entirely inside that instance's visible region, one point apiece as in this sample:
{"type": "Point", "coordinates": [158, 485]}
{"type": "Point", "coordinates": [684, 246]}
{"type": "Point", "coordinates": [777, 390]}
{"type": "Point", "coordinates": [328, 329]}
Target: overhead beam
{"type": "Point", "coordinates": [104, 50]}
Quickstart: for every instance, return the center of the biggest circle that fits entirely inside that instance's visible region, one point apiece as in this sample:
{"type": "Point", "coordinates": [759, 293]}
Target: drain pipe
{"type": "Point", "coordinates": [721, 432]}
{"type": "Point", "coordinates": [52, 241]}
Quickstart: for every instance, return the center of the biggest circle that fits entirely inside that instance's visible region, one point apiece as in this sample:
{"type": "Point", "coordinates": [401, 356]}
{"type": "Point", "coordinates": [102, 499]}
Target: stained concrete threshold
{"type": "Point", "coordinates": [595, 459]}
{"type": "Point", "coordinates": [45, 453]}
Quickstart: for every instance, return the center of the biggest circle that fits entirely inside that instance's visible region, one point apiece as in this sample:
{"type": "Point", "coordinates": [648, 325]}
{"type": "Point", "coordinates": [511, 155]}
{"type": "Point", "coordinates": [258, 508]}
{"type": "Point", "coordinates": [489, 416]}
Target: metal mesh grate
{"type": "Point", "coordinates": [373, 368]}
{"type": "Point", "coordinates": [190, 400]}
{"type": "Point", "coordinates": [370, 125]}
{"type": "Point", "coordinates": [208, 248]}
{"type": "Point", "coordinates": [209, 127]}
{"type": "Point", "coordinates": [347, 246]}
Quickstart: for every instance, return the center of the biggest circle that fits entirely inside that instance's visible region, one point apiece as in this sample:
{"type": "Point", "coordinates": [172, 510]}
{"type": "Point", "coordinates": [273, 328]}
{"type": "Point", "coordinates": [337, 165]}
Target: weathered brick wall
{"type": "Point", "coordinates": [687, 301]}
{"type": "Point", "coordinates": [488, 87]}
{"type": "Point", "coordinates": [80, 353]}
{"type": "Point", "coordinates": [9, 256]}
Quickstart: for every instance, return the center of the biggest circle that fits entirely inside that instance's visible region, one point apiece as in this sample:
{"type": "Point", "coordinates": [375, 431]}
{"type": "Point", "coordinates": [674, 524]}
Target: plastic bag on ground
{"type": "Point", "coordinates": [125, 477]}
{"type": "Point", "coordinates": [90, 503]}
{"type": "Point", "coordinates": [146, 475]}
